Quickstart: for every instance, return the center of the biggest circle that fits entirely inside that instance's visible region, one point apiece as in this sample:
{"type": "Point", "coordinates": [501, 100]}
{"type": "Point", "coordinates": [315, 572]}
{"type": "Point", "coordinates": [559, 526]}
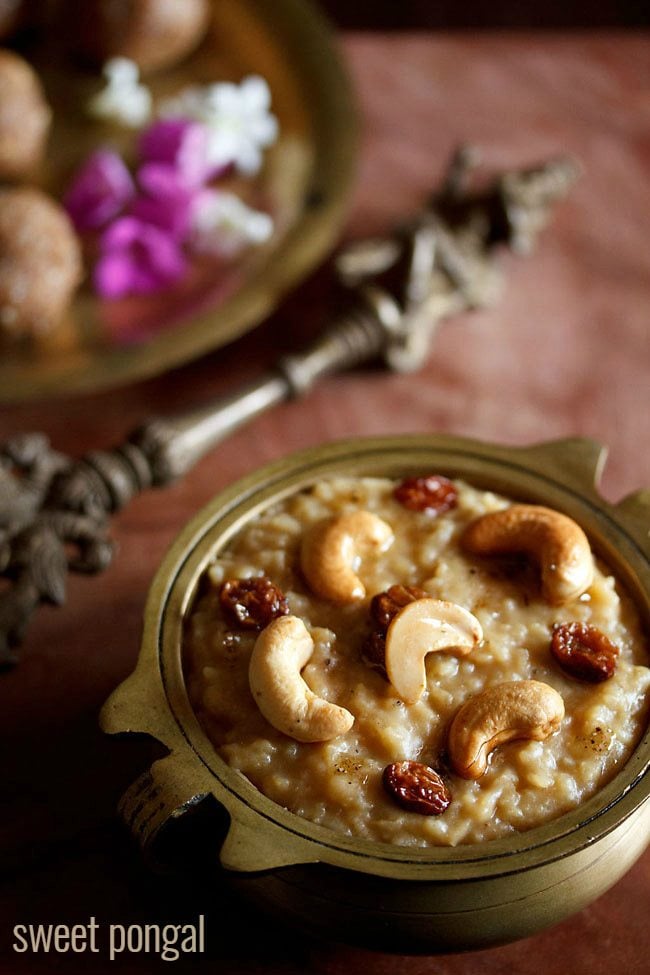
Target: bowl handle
{"type": "Point", "coordinates": [251, 848]}
{"type": "Point", "coordinates": [162, 795]}
{"type": "Point", "coordinates": [169, 788]}
{"type": "Point", "coordinates": [176, 783]}
{"type": "Point", "coordinates": [634, 512]}
{"type": "Point", "coordinates": [155, 799]}
{"type": "Point", "coordinates": [576, 462]}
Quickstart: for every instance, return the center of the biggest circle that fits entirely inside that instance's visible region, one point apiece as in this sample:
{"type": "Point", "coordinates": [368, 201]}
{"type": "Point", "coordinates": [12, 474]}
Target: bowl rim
{"type": "Point", "coordinates": [562, 474]}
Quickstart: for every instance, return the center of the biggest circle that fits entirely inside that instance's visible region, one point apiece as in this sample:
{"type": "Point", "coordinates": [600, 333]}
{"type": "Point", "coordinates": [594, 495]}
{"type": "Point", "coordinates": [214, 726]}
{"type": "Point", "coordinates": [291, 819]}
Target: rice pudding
{"type": "Point", "coordinates": [338, 782]}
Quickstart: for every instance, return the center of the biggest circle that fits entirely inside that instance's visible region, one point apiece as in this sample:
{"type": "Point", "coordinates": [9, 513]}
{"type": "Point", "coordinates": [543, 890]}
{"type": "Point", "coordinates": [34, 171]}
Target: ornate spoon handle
{"type": "Point", "coordinates": [400, 289]}
{"type": "Point", "coordinates": [172, 445]}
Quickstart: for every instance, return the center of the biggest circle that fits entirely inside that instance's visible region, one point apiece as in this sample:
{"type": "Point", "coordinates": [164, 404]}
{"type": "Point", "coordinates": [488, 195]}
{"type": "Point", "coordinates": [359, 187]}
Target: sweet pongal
{"type": "Point", "coordinates": [364, 656]}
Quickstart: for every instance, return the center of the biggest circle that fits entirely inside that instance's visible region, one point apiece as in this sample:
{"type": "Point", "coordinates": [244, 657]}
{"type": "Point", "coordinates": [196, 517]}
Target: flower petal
{"type": "Point", "coordinates": [167, 201]}
{"type": "Point", "coordinates": [137, 258]}
{"type": "Point", "coordinates": [99, 191]}
{"type": "Point", "coordinates": [160, 180]}
{"type": "Point", "coordinates": [224, 225]}
{"type": "Point", "coordinates": [121, 234]}
{"type": "Point", "coordinates": [180, 143]}
{"type": "Point", "coordinates": [113, 275]}
{"type": "Point", "coordinates": [123, 99]}
{"type": "Point", "coordinates": [172, 216]}
{"type": "Point", "coordinates": [237, 117]}
{"type": "Point", "coordinates": [256, 93]}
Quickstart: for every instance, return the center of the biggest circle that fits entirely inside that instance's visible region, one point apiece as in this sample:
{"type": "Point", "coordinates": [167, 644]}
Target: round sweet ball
{"type": "Point", "coordinates": [24, 117]}
{"type": "Point", "coordinates": [153, 33]}
{"type": "Point", "coordinates": [40, 262]}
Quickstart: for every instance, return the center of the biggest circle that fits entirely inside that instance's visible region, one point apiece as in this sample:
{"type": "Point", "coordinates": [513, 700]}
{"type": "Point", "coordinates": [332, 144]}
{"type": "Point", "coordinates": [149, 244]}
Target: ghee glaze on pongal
{"type": "Point", "coordinates": [511, 599]}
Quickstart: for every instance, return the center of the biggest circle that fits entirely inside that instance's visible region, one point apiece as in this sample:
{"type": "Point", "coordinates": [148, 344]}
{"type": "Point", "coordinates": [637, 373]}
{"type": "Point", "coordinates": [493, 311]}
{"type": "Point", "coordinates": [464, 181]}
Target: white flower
{"type": "Point", "coordinates": [123, 99]}
{"type": "Point", "coordinates": [224, 225]}
{"type": "Point", "coordinates": [238, 119]}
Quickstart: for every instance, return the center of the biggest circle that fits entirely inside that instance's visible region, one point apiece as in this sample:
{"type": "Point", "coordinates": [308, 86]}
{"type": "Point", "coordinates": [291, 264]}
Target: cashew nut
{"type": "Point", "coordinates": [281, 651]}
{"type": "Point", "coordinates": [501, 713]}
{"type": "Point", "coordinates": [329, 553]}
{"type": "Point", "coordinates": [421, 627]}
{"type": "Point", "coordinates": [556, 541]}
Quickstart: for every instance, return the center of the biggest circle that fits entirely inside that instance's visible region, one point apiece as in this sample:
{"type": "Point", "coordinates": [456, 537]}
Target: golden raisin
{"type": "Point", "coordinates": [583, 651]}
{"type": "Point", "coordinates": [434, 494]}
{"type": "Point", "coordinates": [251, 604]}
{"type": "Point", "coordinates": [416, 787]}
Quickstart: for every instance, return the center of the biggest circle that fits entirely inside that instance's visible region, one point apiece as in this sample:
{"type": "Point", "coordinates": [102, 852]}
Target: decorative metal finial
{"type": "Point", "coordinates": [54, 511]}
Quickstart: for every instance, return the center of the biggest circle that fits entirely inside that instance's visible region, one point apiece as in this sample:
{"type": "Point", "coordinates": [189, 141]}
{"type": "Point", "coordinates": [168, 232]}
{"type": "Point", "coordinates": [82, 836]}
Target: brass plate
{"type": "Point", "coordinates": [304, 184]}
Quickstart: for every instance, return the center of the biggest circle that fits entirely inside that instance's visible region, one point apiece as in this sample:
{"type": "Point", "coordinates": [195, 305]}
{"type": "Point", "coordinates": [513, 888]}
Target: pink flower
{"type": "Point", "coordinates": [100, 189]}
{"type": "Point", "coordinates": [180, 144]}
{"type": "Point", "coordinates": [166, 201]}
{"type": "Point", "coordinates": [147, 223]}
{"type": "Point", "coordinates": [137, 258]}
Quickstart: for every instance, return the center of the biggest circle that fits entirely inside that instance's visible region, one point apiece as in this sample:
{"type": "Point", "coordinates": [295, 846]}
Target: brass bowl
{"type": "Point", "coordinates": [380, 895]}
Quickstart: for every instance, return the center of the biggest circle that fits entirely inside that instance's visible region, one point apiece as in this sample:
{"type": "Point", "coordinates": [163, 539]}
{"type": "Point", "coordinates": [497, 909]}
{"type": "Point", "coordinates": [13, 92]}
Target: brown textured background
{"type": "Point", "coordinates": [565, 352]}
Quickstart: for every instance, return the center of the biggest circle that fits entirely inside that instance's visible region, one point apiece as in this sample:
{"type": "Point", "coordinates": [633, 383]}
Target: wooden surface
{"type": "Point", "coordinates": [565, 352]}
